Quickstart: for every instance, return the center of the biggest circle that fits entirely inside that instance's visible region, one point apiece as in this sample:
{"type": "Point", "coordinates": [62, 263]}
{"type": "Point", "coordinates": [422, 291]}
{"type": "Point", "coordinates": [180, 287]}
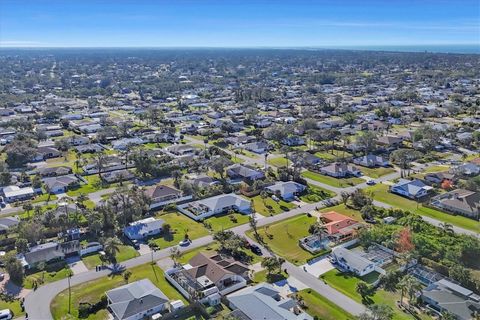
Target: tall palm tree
{"type": "Point", "coordinates": [111, 246]}
{"type": "Point", "coordinates": [409, 285]}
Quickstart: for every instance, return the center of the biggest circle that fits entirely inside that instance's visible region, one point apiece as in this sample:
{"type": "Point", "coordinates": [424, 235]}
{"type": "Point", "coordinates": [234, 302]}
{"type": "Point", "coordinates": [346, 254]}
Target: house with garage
{"type": "Point", "coordinates": [264, 301]}
{"type": "Point", "coordinates": [445, 296]}
{"type": "Point", "coordinates": [340, 170]}
{"type": "Point", "coordinates": [460, 201]}
{"type": "Point", "coordinates": [137, 300]}
{"type": "Point", "coordinates": [202, 209]}
{"type": "Point", "coordinates": [413, 189]}
{"type": "Point", "coordinates": [371, 161]}
{"type": "Point", "coordinates": [15, 193]}
{"type": "Point", "coordinates": [60, 184]}
{"type": "Point", "coordinates": [238, 171]}
{"type": "Point", "coordinates": [257, 147]}
{"type": "Point", "coordinates": [141, 229]}
{"type": "Point", "coordinates": [287, 190]}
{"type": "Point", "coordinates": [351, 261]}
{"type": "Point", "coordinates": [54, 171]}
{"type": "Point", "coordinates": [46, 152]}
{"type": "Point", "coordinates": [49, 251]}
{"type": "Point", "coordinates": [162, 195]}
{"type": "Point", "coordinates": [209, 276]}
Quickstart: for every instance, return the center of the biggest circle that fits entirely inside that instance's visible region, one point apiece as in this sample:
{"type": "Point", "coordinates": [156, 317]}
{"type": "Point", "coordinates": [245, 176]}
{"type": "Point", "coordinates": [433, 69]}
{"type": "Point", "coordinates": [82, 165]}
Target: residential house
{"type": "Point", "coordinates": [209, 277]}
{"type": "Point", "coordinates": [89, 148]}
{"type": "Point", "coordinates": [202, 209]}
{"type": "Point", "coordinates": [60, 184]}
{"type": "Point", "coordinates": [286, 190]}
{"type": "Point", "coordinates": [340, 227]}
{"type": "Point", "coordinates": [340, 170]}
{"type": "Point", "coordinates": [440, 177]}
{"type": "Point", "coordinates": [137, 300]}
{"type": "Point", "coordinates": [238, 171]}
{"type": "Point", "coordinates": [162, 195]}
{"type": "Point", "coordinates": [8, 222]}
{"type": "Point", "coordinates": [459, 201]}
{"type": "Point", "coordinates": [467, 169]}
{"type": "Point", "coordinates": [54, 171]}
{"type": "Point", "coordinates": [293, 141]}
{"type": "Point", "coordinates": [49, 251]}
{"type": "Point", "coordinates": [351, 261]}
{"type": "Point", "coordinates": [446, 296]}
{"type": "Point", "coordinates": [117, 175]}
{"type": "Point", "coordinates": [413, 189]}
{"type": "Point", "coordinates": [203, 181]}
{"type": "Point", "coordinates": [390, 142]}
{"type": "Point", "coordinates": [371, 161]}
{"type": "Point", "coordinates": [182, 149]}
{"type": "Point", "coordinates": [141, 229]}
{"type": "Point", "coordinates": [46, 152]}
{"type": "Point", "coordinates": [264, 301]}
{"type": "Point", "coordinates": [257, 147]}
{"type": "Point", "coordinates": [15, 193]}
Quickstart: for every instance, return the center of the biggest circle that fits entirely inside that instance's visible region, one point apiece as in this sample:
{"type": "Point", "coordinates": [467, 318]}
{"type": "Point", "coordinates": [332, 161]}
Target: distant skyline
{"type": "Point", "coordinates": [181, 23]}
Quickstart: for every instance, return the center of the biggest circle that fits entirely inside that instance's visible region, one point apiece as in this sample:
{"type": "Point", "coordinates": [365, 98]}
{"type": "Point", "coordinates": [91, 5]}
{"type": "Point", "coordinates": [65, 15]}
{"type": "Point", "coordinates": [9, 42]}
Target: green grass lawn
{"type": "Point", "coordinates": [375, 172]}
{"type": "Point", "coordinates": [315, 194]}
{"type": "Point", "coordinates": [438, 168]}
{"type": "Point", "coordinates": [94, 184]}
{"type": "Point", "coordinates": [346, 284]}
{"type": "Point", "coordinates": [125, 253]}
{"type": "Point", "coordinates": [342, 209]}
{"type": "Point", "coordinates": [334, 182]}
{"type": "Point", "coordinates": [261, 276]}
{"type": "Point", "coordinates": [317, 305]}
{"type": "Point", "coordinates": [227, 221]}
{"type": "Point", "coordinates": [277, 162]}
{"type": "Point", "coordinates": [13, 305]}
{"type": "Point", "coordinates": [268, 206]}
{"type": "Point", "coordinates": [380, 192]}
{"type": "Point", "coordinates": [283, 236]}
{"type": "Point", "coordinates": [210, 249]}
{"type": "Point", "coordinates": [336, 154]}
{"type": "Point", "coordinates": [44, 198]}
{"type": "Point", "coordinates": [53, 272]}
{"type": "Point", "coordinates": [92, 291]}
{"type": "Point", "coordinates": [180, 225]}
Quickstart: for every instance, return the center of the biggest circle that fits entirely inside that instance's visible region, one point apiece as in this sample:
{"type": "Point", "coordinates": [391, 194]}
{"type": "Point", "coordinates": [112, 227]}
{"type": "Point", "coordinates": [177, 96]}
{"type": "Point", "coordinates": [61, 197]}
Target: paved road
{"type": "Point", "coordinates": [37, 303]}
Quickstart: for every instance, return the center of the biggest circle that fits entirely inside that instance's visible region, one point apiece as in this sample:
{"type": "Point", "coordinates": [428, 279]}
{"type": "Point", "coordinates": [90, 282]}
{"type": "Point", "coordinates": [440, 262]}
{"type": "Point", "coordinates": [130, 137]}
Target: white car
{"type": "Point", "coordinates": [275, 198]}
{"type": "Point", "coordinates": [185, 242]}
{"type": "Point", "coordinates": [6, 314]}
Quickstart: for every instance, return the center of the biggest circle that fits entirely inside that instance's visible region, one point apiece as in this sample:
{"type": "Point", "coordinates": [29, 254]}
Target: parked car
{"type": "Point", "coordinates": [275, 198]}
{"type": "Point", "coordinates": [256, 249]}
{"type": "Point", "coordinates": [371, 182]}
{"type": "Point", "coordinates": [185, 242]}
{"type": "Point", "coordinates": [6, 314]}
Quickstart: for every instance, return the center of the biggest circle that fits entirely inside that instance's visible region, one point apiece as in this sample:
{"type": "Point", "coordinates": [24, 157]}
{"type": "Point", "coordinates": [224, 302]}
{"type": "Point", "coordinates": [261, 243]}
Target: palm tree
{"type": "Point", "coordinates": [446, 227]}
{"type": "Point", "coordinates": [27, 207]}
{"type": "Point", "coordinates": [408, 284]}
{"type": "Point", "coordinates": [318, 229]}
{"type": "Point", "coordinates": [363, 290]}
{"type": "Point", "coordinates": [111, 247]}
{"type": "Point", "coordinates": [413, 289]}
{"type": "Point", "coordinates": [175, 254]}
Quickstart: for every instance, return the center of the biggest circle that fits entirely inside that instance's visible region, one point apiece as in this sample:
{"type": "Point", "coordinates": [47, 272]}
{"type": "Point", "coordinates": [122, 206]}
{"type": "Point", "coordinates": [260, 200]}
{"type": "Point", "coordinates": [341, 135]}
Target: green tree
{"type": "Point", "coordinates": [14, 269]}
{"type": "Point", "coordinates": [126, 275]}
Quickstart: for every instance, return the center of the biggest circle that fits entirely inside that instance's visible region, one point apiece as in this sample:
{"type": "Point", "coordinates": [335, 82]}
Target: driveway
{"type": "Point", "coordinates": [319, 267]}
{"type": "Point", "coordinates": [76, 265]}
{"type": "Point", "coordinates": [289, 286]}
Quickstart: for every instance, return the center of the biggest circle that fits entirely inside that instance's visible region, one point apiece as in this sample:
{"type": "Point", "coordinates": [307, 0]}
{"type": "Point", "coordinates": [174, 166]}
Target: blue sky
{"type": "Point", "coordinates": [242, 23]}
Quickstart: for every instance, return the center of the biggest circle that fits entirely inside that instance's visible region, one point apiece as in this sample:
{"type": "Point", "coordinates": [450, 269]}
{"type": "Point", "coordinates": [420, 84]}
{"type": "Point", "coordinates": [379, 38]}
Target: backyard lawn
{"type": "Point", "coordinates": [317, 305]}
{"type": "Point", "coordinates": [376, 172]}
{"type": "Point", "coordinates": [210, 249]}
{"type": "Point", "coordinates": [342, 209]}
{"type": "Point", "coordinates": [53, 272]}
{"type": "Point", "coordinates": [316, 194]}
{"type": "Point", "coordinates": [180, 225]}
{"type": "Point", "coordinates": [334, 182]}
{"type": "Point", "coordinates": [227, 221]}
{"type": "Point", "coordinates": [125, 253]}
{"type": "Point", "coordinates": [336, 154]}
{"type": "Point", "coordinates": [283, 236]}
{"type": "Point", "coordinates": [346, 284]}
{"type": "Point", "coordinates": [268, 206]}
{"type": "Point", "coordinates": [380, 192]}
{"type": "Point", "coordinates": [277, 162]}
{"type": "Point", "coordinates": [91, 292]}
